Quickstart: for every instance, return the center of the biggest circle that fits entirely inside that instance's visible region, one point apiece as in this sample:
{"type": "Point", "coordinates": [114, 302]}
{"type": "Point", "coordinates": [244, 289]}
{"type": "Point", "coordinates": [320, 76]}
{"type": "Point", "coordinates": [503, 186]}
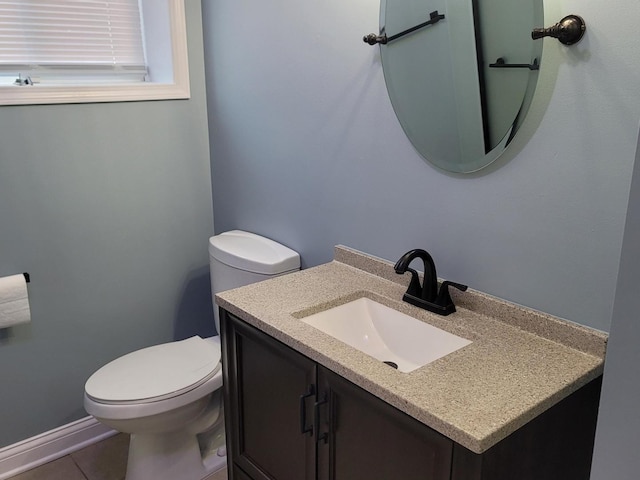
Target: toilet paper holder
{"type": "Point", "coordinates": [27, 277]}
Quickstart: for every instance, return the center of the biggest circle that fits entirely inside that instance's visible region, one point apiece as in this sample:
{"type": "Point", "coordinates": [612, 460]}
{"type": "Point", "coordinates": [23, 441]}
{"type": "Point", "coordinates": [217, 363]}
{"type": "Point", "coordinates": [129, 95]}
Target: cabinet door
{"type": "Point", "coordinates": [265, 384]}
{"type": "Point", "coordinates": [369, 439]}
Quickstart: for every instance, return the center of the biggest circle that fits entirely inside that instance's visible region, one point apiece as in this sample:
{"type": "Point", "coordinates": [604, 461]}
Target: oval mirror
{"type": "Point", "coordinates": [460, 85]}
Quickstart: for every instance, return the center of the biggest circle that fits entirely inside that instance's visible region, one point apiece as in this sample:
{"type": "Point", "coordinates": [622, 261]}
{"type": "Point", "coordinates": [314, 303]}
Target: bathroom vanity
{"type": "Point", "coordinates": [519, 402]}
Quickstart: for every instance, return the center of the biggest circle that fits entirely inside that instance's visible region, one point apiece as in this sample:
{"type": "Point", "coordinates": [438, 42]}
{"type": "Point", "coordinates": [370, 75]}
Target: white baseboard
{"type": "Point", "coordinates": [51, 445]}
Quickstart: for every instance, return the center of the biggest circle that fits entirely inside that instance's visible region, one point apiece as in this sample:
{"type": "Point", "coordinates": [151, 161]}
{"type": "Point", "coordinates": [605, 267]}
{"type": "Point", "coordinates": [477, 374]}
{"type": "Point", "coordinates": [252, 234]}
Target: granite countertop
{"type": "Point", "coordinates": [520, 362]}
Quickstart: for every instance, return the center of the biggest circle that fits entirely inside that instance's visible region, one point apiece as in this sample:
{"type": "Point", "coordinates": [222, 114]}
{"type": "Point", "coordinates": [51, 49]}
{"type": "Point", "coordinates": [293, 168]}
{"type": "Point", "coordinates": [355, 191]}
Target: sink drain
{"type": "Point", "coordinates": [391, 364]}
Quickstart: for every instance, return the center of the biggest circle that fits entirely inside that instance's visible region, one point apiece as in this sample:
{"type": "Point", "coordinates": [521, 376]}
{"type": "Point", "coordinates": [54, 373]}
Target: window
{"type": "Point", "coordinates": [73, 51]}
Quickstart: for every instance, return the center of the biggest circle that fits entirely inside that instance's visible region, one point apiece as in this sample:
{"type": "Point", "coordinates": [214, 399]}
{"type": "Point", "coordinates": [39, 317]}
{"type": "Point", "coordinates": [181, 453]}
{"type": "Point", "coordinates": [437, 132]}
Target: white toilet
{"type": "Point", "coordinates": [168, 396]}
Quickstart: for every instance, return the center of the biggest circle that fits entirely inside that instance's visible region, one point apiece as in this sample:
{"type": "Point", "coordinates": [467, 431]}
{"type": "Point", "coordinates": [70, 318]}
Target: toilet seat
{"type": "Point", "coordinates": [156, 373]}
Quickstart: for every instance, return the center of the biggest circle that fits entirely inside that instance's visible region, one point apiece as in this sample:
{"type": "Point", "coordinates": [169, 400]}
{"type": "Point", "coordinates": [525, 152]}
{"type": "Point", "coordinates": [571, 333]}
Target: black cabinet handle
{"type": "Point", "coordinates": [311, 391]}
{"type": "Point", "coordinates": [316, 420]}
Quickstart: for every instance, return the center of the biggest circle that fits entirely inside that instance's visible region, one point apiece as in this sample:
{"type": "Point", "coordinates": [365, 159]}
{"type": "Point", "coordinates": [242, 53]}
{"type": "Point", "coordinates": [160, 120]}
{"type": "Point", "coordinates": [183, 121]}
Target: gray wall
{"type": "Point", "coordinates": [616, 455]}
{"type": "Point", "coordinates": [307, 150]}
{"type": "Point", "coordinates": [108, 206]}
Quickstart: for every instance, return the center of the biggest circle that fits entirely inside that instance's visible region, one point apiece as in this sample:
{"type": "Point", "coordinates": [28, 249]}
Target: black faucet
{"type": "Point", "coordinates": [426, 295]}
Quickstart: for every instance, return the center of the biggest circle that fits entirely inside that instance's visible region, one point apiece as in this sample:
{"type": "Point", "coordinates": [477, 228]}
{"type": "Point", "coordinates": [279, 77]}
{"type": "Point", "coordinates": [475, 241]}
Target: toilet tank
{"type": "Point", "coordinates": [238, 258]}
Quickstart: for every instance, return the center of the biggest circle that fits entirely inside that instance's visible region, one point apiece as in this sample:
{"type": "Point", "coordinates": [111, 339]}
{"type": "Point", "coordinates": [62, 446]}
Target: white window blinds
{"type": "Point", "coordinates": [71, 35]}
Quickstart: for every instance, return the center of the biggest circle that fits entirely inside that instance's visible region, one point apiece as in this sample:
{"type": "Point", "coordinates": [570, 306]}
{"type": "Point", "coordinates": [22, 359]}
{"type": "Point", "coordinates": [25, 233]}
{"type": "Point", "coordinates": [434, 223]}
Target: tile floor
{"type": "Point", "coordinates": [105, 460]}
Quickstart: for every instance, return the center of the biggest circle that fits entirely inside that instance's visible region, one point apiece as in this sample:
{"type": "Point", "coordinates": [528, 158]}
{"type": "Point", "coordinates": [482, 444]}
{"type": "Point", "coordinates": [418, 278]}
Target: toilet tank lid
{"type": "Point", "coordinates": [253, 253]}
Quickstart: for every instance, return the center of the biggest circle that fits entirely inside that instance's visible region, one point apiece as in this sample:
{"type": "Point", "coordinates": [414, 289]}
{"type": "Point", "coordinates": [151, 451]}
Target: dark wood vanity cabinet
{"type": "Point", "coordinates": [265, 406]}
{"type": "Point", "coordinates": [289, 418]}
{"type": "Point", "coordinates": [360, 436]}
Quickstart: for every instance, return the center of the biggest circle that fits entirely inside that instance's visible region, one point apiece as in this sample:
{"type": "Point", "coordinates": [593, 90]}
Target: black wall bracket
{"type": "Point", "coordinates": [568, 31]}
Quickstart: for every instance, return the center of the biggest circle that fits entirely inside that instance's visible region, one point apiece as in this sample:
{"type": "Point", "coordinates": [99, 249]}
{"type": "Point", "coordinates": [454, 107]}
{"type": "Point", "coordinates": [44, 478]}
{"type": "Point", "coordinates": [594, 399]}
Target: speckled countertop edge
{"type": "Point", "coordinates": [520, 363]}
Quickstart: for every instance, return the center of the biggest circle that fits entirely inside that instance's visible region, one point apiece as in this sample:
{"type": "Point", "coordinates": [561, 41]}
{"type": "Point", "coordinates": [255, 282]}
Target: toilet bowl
{"type": "Point", "coordinates": [164, 396]}
{"type": "Point", "coordinates": [168, 396]}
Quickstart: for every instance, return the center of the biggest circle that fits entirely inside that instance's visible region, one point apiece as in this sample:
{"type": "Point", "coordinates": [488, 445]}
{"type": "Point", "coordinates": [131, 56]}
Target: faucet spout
{"type": "Point", "coordinates": [429, 289]}
{"type": "Point", "coordinates": [426, 295]}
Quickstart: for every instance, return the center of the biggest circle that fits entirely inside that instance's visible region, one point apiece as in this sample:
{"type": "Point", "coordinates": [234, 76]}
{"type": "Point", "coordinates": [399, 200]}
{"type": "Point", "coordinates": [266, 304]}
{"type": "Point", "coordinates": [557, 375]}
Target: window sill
{"type": "Point", "coordinates": [44, 95]}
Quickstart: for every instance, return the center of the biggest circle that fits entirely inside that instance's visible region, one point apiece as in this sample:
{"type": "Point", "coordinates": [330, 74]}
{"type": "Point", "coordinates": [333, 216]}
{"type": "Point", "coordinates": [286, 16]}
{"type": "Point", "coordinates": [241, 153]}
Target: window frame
{"type": "Point", "coordinates": [179, 88]}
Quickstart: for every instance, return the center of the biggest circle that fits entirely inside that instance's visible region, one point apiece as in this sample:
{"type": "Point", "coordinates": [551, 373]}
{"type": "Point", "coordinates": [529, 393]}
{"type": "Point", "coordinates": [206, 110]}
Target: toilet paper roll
{"type": "Point", "coordinates": [14, 301]}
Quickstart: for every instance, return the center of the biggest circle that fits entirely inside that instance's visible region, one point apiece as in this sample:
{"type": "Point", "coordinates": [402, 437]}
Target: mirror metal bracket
{"type": "Point", "coordinates": [500, 63]}
{"type": "Point", "coordinates": [568, 31]}
{"type": "Point", "coordinates": [372, 38]}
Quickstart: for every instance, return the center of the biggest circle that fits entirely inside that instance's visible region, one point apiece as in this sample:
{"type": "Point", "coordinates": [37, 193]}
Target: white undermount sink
{"type": "Point", "coordinates": [386, 334]}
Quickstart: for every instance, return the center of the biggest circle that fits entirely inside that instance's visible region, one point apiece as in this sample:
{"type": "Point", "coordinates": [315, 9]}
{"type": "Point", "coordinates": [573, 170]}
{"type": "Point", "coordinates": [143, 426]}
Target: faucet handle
{"type": "Point", "coordinates": [415, 288]}
{"type": "Point", "coordinates": [444, 298]}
